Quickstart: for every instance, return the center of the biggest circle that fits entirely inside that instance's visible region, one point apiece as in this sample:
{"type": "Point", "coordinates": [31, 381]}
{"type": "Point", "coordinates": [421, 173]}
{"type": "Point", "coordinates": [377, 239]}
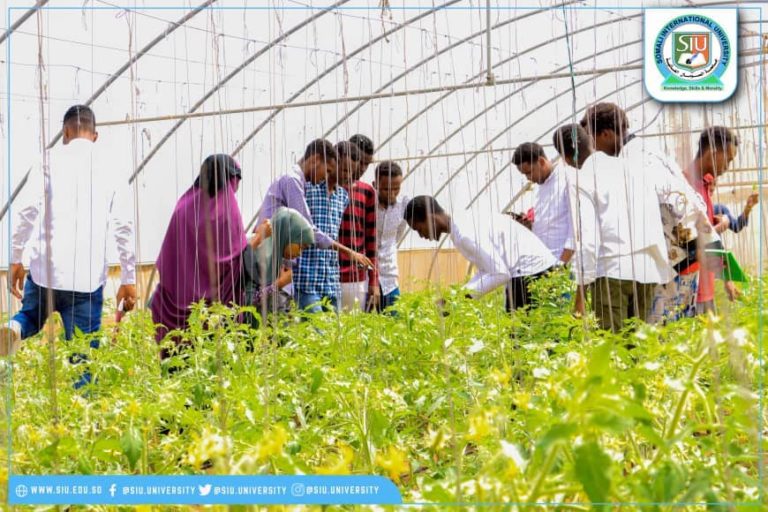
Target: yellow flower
{"type": "Point", "coordinates": [479, 426]}
{"type": "Point", "coordinates": [133, 408]}
{"type": "Point", "coordinates": [341, 465]}
{"type": "Point", "coordinates": [394, 463]}
{"type": "Point", "coordinates": [271, 443]}
{"type": "Point", "coordinates": [502, 377]}
{"type": "Point", "coordinates": [522, 400]}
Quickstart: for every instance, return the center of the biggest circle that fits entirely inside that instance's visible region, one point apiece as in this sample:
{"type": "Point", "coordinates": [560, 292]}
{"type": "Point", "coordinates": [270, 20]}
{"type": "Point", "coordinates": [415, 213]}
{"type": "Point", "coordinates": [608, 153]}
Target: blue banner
{"type": "Point", "coordinates": [201, 490]}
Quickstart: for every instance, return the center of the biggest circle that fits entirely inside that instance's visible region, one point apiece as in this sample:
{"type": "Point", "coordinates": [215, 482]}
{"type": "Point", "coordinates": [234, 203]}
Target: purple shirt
{"type": "Point", "coordinates": [288, 190]}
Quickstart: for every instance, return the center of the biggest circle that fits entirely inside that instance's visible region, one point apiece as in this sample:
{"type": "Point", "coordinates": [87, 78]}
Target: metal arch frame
{"type": "Point", "coordinates": [500, 63]}
{"type": "Point", "coordinates": [232, 74]}
{"type": "Point", "coordinates": [24, 17]}
{"type": "Point", "coordinates": [432, 56]}
{"type": "Point", "coordinates": [327, 71]}
{"type": "Point", "coordinates": [171, 28]}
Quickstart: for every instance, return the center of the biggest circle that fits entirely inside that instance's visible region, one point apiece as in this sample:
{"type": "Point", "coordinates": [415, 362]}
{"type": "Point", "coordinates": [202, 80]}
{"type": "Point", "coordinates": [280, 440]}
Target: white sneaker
{"type": "Point", "coordinates": [10, 338]}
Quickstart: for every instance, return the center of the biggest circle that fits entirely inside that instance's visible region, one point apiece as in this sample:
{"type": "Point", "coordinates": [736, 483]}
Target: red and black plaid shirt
{"type": "Point", "coordinates": [358, 232]}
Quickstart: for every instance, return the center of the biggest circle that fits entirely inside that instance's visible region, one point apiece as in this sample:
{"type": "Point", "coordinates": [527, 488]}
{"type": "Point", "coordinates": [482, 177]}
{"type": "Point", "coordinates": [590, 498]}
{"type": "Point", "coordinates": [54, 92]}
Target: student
{"type": "Point", "coordinates": [359, 285]}
{"type": "Point", "coordinates": [69, 219]}
{"type": "Point", "coordinates": [316, 276]}
{"type": "Point", "coordinates": [264, 273]}
{"type": "Point", "coordinates": [365, 145]}
{"type": "Point", "coordinates": [319, 160]}
{"type": "Point", "coordinates": [724, 219]}
{"type": "Point", "coordinates": [683, 213]}
{"type": "Point", "coordinates": [717, 147]}
{"type": "Point", "coordinates": [499, 247]}
{"type": "Point", "coordinates": [390, 228]}
{"type": "Point", "coordinates": [553, 219]}
{"type": "Point", "coordinates": [620, 248]}
{"type": "Point", "coordinates": [200, 258]}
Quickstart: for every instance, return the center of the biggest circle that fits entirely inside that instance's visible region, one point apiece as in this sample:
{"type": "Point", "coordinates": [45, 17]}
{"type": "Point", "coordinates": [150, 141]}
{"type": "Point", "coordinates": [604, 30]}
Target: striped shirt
{"type": "Point", "coordinates": [317, 271]}
{"type": "Point", "coordinates": [358, 232]}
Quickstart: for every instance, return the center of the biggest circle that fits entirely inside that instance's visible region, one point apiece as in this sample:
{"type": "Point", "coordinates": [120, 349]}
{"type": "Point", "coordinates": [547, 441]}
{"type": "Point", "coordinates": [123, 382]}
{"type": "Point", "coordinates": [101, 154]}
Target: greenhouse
{"type": "Point", "coordinates": [506, 255]}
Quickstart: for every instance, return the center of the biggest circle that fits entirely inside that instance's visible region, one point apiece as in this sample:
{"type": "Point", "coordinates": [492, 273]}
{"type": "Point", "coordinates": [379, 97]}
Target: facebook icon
{"type": "Point", "coordinates": [112, 489]}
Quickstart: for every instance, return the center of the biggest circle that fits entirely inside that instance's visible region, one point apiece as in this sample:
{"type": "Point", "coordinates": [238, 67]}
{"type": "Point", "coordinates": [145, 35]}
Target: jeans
{"type": "Point", "coordinates": [390, 298]}
{"type": "Point", "coordinates": [310, 302]}
{"type": "Point", "coordinates": [77, 309]}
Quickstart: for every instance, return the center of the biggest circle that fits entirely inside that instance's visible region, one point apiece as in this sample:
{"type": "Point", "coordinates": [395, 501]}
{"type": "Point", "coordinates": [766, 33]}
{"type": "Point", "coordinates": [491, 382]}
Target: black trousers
{"type": "Point", "coordinates": [517, 292]}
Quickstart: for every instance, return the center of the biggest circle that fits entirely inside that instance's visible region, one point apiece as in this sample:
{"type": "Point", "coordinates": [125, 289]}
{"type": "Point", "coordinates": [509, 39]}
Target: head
{"type": "Point", "coordinates": [716, 150]}
{"type": "Point", "coordinates": [608, 126]}
{"type": "Point", "coordinates": [425, 216]}
{"type": "Point", "coordinates": [349, 163]}
{"type": "Point", "coordinates": [532, 162]}
{"type": "Point", "coordinates": [217, 171]}
{"type": "Point", "coordinates": [389, 178]}
{"type": "Point", "coordinates": [291, 233]}
{"type": "Point", "coordinates": [573, 143]}
{"type": "Point", "coordinates": [79, 123]}
{"type": "Point", "coordinates": [366, 149]}
{"type": "Point", "coordinates": [319, 160]}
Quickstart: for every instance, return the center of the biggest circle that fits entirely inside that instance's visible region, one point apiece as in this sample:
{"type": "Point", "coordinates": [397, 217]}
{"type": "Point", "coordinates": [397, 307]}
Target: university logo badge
{"type": "Point", "coordinates": [691, 54]}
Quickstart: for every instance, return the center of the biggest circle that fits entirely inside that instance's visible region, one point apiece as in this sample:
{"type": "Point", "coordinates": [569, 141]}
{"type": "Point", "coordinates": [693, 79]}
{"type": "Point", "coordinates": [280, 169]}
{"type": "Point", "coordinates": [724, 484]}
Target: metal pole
{"type": "Point", "coordinates": [20, 21]}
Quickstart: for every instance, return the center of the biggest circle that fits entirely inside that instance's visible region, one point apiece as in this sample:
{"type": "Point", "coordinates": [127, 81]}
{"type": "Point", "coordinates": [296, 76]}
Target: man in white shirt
{"type": "Point", "coordinates": [620, 247]}
{"type": "Point", "coordinates": [552, 222]}
{"type": "Point", "coordinates": [683, 213]}
{"type": "Point", "coordinates": [67, 210]}
{"type": "Point", "coordinates": [498, 246]}
{"type": "Point", "coordinates": [390, 227]}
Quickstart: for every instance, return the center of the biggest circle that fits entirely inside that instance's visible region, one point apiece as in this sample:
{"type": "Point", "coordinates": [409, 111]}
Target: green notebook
{"type": "Point", "coordinates": [731, 269]}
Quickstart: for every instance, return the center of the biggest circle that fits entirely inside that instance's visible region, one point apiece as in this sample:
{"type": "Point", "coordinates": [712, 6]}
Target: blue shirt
{"type": "Point", "coordinates": [317, 271]}
{"type": "Point", "coordinates": [734, 224]}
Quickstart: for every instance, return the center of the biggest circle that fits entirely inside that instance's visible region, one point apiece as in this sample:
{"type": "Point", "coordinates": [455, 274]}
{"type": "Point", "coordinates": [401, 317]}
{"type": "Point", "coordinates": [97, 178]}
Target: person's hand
{"type": "Point", "coordinates": [751, 202]}
{"type": "Point", "coordinates": [732, 291]}
{"type": "Point", "coordinates": [261, 233]}
{"type": "Point", "coordinates": [285, 278]}
{"type": "Point", "coordinates": [127, 295]}
{"type": "Point", "coordinates": [374, 298]}
{"type": "Point", "coordinates": [16, 282]}
{"type": "Point", "coordinates": [361, 259]}
{"type": "Point", "coordinates": [721, 223]}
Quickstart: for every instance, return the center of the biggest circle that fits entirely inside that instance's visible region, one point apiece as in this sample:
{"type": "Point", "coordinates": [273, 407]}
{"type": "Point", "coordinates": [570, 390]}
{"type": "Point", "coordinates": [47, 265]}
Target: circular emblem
{"type": "Point", "coordinates": [691, 49]}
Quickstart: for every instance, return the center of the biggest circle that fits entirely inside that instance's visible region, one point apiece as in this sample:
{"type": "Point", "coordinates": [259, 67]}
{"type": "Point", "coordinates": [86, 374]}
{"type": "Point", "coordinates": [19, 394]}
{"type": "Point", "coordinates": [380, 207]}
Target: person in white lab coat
{"type": "Point", "coordinates": [499, 247]}
{"type": "Point", "coordinates": [68, 210]}
{"type": "Point", "coordinates": [620, 248]}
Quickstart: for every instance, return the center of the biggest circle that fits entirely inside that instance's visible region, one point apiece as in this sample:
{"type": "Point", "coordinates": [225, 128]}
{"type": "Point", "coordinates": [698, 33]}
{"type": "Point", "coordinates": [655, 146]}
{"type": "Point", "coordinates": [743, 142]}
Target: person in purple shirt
{"type": "Point", "coordinates": [288, 190]}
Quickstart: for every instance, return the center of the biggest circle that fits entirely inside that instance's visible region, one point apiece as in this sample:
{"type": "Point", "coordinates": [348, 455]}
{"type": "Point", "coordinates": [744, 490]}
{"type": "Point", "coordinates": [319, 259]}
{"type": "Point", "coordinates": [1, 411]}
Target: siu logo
{"type": "Point", "coordinates": [690, 55]}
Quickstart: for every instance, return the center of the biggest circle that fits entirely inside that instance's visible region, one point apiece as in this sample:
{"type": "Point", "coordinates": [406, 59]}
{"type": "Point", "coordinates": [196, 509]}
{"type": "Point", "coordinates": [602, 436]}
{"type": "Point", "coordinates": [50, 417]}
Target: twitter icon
{"type": "Point", "coordinates": [205, 490]}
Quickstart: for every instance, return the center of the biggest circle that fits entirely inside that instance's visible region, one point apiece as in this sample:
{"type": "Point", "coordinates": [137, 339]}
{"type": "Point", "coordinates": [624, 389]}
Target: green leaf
{"type": "Point", "coordinates": [669, 482]}
{"type": "Point", "coordinates": [317, 379]}
{"type": "Point", "coordinates": [558, 432]}
{"type": "Point", "coordinates": [106, 449]}
{"type": "Point", "coordinates": [592, 468]}
{"type": "Point", "coordinates": [132, 445]}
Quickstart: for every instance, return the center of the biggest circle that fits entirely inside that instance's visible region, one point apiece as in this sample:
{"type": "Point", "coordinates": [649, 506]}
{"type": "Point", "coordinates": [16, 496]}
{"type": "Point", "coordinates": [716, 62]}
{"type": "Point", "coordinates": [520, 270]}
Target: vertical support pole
{"type": "Point", "coordinates": [490, 79]}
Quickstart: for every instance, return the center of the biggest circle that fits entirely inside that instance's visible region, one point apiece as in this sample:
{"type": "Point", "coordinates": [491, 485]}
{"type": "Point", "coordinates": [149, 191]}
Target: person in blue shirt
{"type": "Point", "coordinates": [723, 215]}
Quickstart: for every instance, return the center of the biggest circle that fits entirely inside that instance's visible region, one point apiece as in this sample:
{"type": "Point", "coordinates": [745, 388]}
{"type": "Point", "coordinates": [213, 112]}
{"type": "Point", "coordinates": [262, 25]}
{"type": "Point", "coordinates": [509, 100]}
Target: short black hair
{"type": "Point", "coordinates": [364, 143]}
{"type": "Point", "coordinates": [80, 117]}
{"type": "Point", "coordinates": [388, 169]}
{"type": "Point", "coordinates": [570, 139]}
{"type": "Point", "coordinates": [605, 116]}
{"type": "Point", "coordinates": [419, 207]}
{"type": "Point", "coordinates": [716, 137]}
{"type": "Point", "coordinates": [348, 149]}
{"type": "Point", "coordinates": [321, 147]}
{"type": "Point", "coordinates": [527, 153]}
{"type": "Point", "coordinates": [216, 171]}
